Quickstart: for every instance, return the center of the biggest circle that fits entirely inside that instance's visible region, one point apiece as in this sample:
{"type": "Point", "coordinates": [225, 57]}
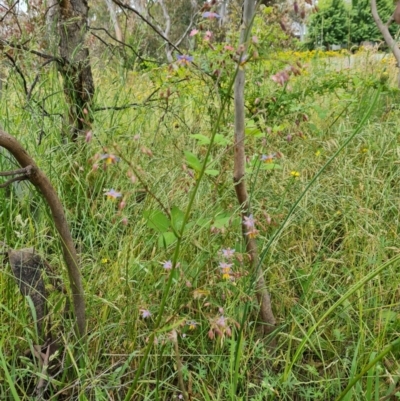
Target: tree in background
{"type": "Point", "coordinates": [329, 26]}
{"type": "Point", "coordinates": [336, 24]}
{"type": "Point", "coordinates": [363, 27]}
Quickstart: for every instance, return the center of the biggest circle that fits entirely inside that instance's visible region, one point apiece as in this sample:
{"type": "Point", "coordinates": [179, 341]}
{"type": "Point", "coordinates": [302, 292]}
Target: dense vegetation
{"type": "Point", "coordinates": [150, 181]}
{"type": "Point", "coordinates": [340, 23]}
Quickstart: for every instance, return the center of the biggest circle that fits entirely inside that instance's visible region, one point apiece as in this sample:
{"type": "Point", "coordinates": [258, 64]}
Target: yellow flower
{"type": "Point", "coordinates": [104, 260]}
{"type": "Point", "coordinates": [295, 174]}
{"type": "Point", "coordinates": [318, 153]}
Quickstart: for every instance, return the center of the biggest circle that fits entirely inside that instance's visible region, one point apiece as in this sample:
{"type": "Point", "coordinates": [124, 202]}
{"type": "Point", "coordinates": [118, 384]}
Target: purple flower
{"type": "Point", "coordinates": [112, 194]}
{"type": "Point", "coordinates": [226, 270]}
{"type": "Point", "coordinates": [110, 159]}
{"type": "Point", "coordinates": [268, 158]}
{"type": "Point", "coordinates": [252, 233]}
{"type": "Point", "coordinates": [221, 322]}
{"type": "Point", "coordinates": [145, 313]}
{"type": "Point", "coordinates": [192, 324]}
{"type": "Point", "coordinates": [211, 15]}
{"type": "Point", "coordinates": [281, 77]}
{"type": "Point", "coordinates": [249, 221]}
{"type": "Point", "coordinates": [89, 136]}
{"type": "Point", "coordinates": [228, 253]}
{"type": "Point", "coordinates": [167, 265]}
{"type": "Point", "coordinates": [184, 59]}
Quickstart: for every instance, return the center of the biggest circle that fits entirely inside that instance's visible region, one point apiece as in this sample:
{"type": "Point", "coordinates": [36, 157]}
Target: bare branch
{"type": "Point", "coordinates": [25, 170]}
{"type": "Point", "coordinates": [9, 10]}
{"type": "Point", "coordinates": [42, 183]}
{"type": "Point", "coordinates": [11, 180]}
{"type": "Point", "coordinates": [20, 73]}
{"type": "Point", "coordinates": [391, 43]}
{"type": "Point", "coordinates": [35, 52]}
{"type": "Point", "coordinates": [150, 24]}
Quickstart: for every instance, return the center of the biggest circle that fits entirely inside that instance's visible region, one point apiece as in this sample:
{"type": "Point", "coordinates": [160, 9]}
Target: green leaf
{"type": "Point", "coordinates": [157, 220]}
{"type": "Point", "coordinates": [252, 129]}
{"type": "Point", "coordinates": [212, 172]}
{"type": "Point", "coordinates": [166, 239]}
{"type": "Point", "coordinates": [177, 217]}
{"type": "Point", "coordinates": [203, 140]}
{"type": "Point", "coordinates": [193, 161]}
{"type": "Point", "coordinates": [270, 166]}
{"type": "Point", "coordinates": [221, 140]}
{"type": "Point", "coordinates": [221, 222]}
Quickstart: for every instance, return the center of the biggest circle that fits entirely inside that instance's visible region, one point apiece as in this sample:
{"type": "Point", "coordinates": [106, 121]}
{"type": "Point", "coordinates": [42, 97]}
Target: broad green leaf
{"type": "Point", "coordinates": [177, 217]}
{"type": "Point", "coordinates": [263, 166]}
{"type": "Point", "coordinates": [221, 140]}
{"type": "Point", "coordinates": [166, 239]}
{"type": "Point", "coordinates": [157, 220]}
{"type": "Point", "coordinates": [252, 129]}
{"type": "Point", "coordinates": [270, 166]}
{"type": "Point", "coordinates": [221, 222]}
{"type": "Point", "coordinates": [193, 161]}
{"type": "Point", "coordinates": [212, 172]}
{"type": "Point", "coordinates": [203, 140]}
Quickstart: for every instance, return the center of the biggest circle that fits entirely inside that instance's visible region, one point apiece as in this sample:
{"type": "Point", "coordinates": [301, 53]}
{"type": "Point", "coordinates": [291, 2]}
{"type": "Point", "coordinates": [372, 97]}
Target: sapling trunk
{"type": "Point", "coordinates": [266, 315]}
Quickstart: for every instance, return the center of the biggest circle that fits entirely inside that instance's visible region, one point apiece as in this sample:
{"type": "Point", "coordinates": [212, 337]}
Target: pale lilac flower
{"type": "Point", "coordinates": [249, 221]}
{"type": "Point", "coordinates": [89, 136]}
{"type": "Point", "coordinates": [252, 233]}
{"type": "Point", "coordinates": [167, 265]}
{"type": "Point", "coordinates": [229, 47]}
{"type": "Point", "coordinates": [193, 32]}
{"type": "Point", "coordinates": [226, 270]}
{"type": "Point", "coordinates": [281, 77]}
{"type": "Point", "coordinates": [192, 324]}
{"type": "Point", "coordinates": [255, 39]}
{"type": "Point", "coordinates": [268, 158]}
{"type": "Point", "coordinates": [228, 253]}
{"type": "Point", "coordinates": [221, 322]}
{"type": "Point", "coordinates": [184, 59]}
{"type": "Point", "coordinates": [211, 15]}
{"type": "Point", "coordinates": [208, 35]}
{"type": "Point", "coordinates": [113, 194]}
{"type": "Point", "coordinates": [110, 159]}
{"type": "Point", "coordinates": [145, 313]}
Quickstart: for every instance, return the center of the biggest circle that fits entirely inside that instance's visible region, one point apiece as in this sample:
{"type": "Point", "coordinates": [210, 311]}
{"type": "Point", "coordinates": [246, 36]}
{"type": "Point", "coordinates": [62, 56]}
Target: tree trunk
{"type": "Point", "coordinates": [72, 26]}
{"type": "Point", "coordinates": [114, 19]}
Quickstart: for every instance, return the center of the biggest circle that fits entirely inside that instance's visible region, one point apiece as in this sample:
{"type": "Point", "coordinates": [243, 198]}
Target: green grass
{"type": "Point", "coordinates": [332, 270]}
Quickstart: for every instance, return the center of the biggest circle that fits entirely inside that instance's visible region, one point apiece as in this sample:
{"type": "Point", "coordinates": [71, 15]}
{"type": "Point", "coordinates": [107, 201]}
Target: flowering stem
{"type": "Point", "coordinates": [215, 129]}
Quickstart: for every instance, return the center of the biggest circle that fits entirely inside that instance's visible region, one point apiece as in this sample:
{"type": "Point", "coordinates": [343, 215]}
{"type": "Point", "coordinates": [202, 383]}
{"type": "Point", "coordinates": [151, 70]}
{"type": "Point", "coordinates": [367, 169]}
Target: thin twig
{"type": "Point", "coordinates": [120, 42]}
{"type": "Point", "coordinates": [150, 24]}
{"type": "Point", "coordinates": [9, 11]}
{"type": "Point", "coordinates": [11, 180]}
{"type": "Point", "coordinates": [20, 73]}
{"type": "Point", "coordinates": [35, 52]}
{"type": "Point", "coordinates": [36, 80]}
